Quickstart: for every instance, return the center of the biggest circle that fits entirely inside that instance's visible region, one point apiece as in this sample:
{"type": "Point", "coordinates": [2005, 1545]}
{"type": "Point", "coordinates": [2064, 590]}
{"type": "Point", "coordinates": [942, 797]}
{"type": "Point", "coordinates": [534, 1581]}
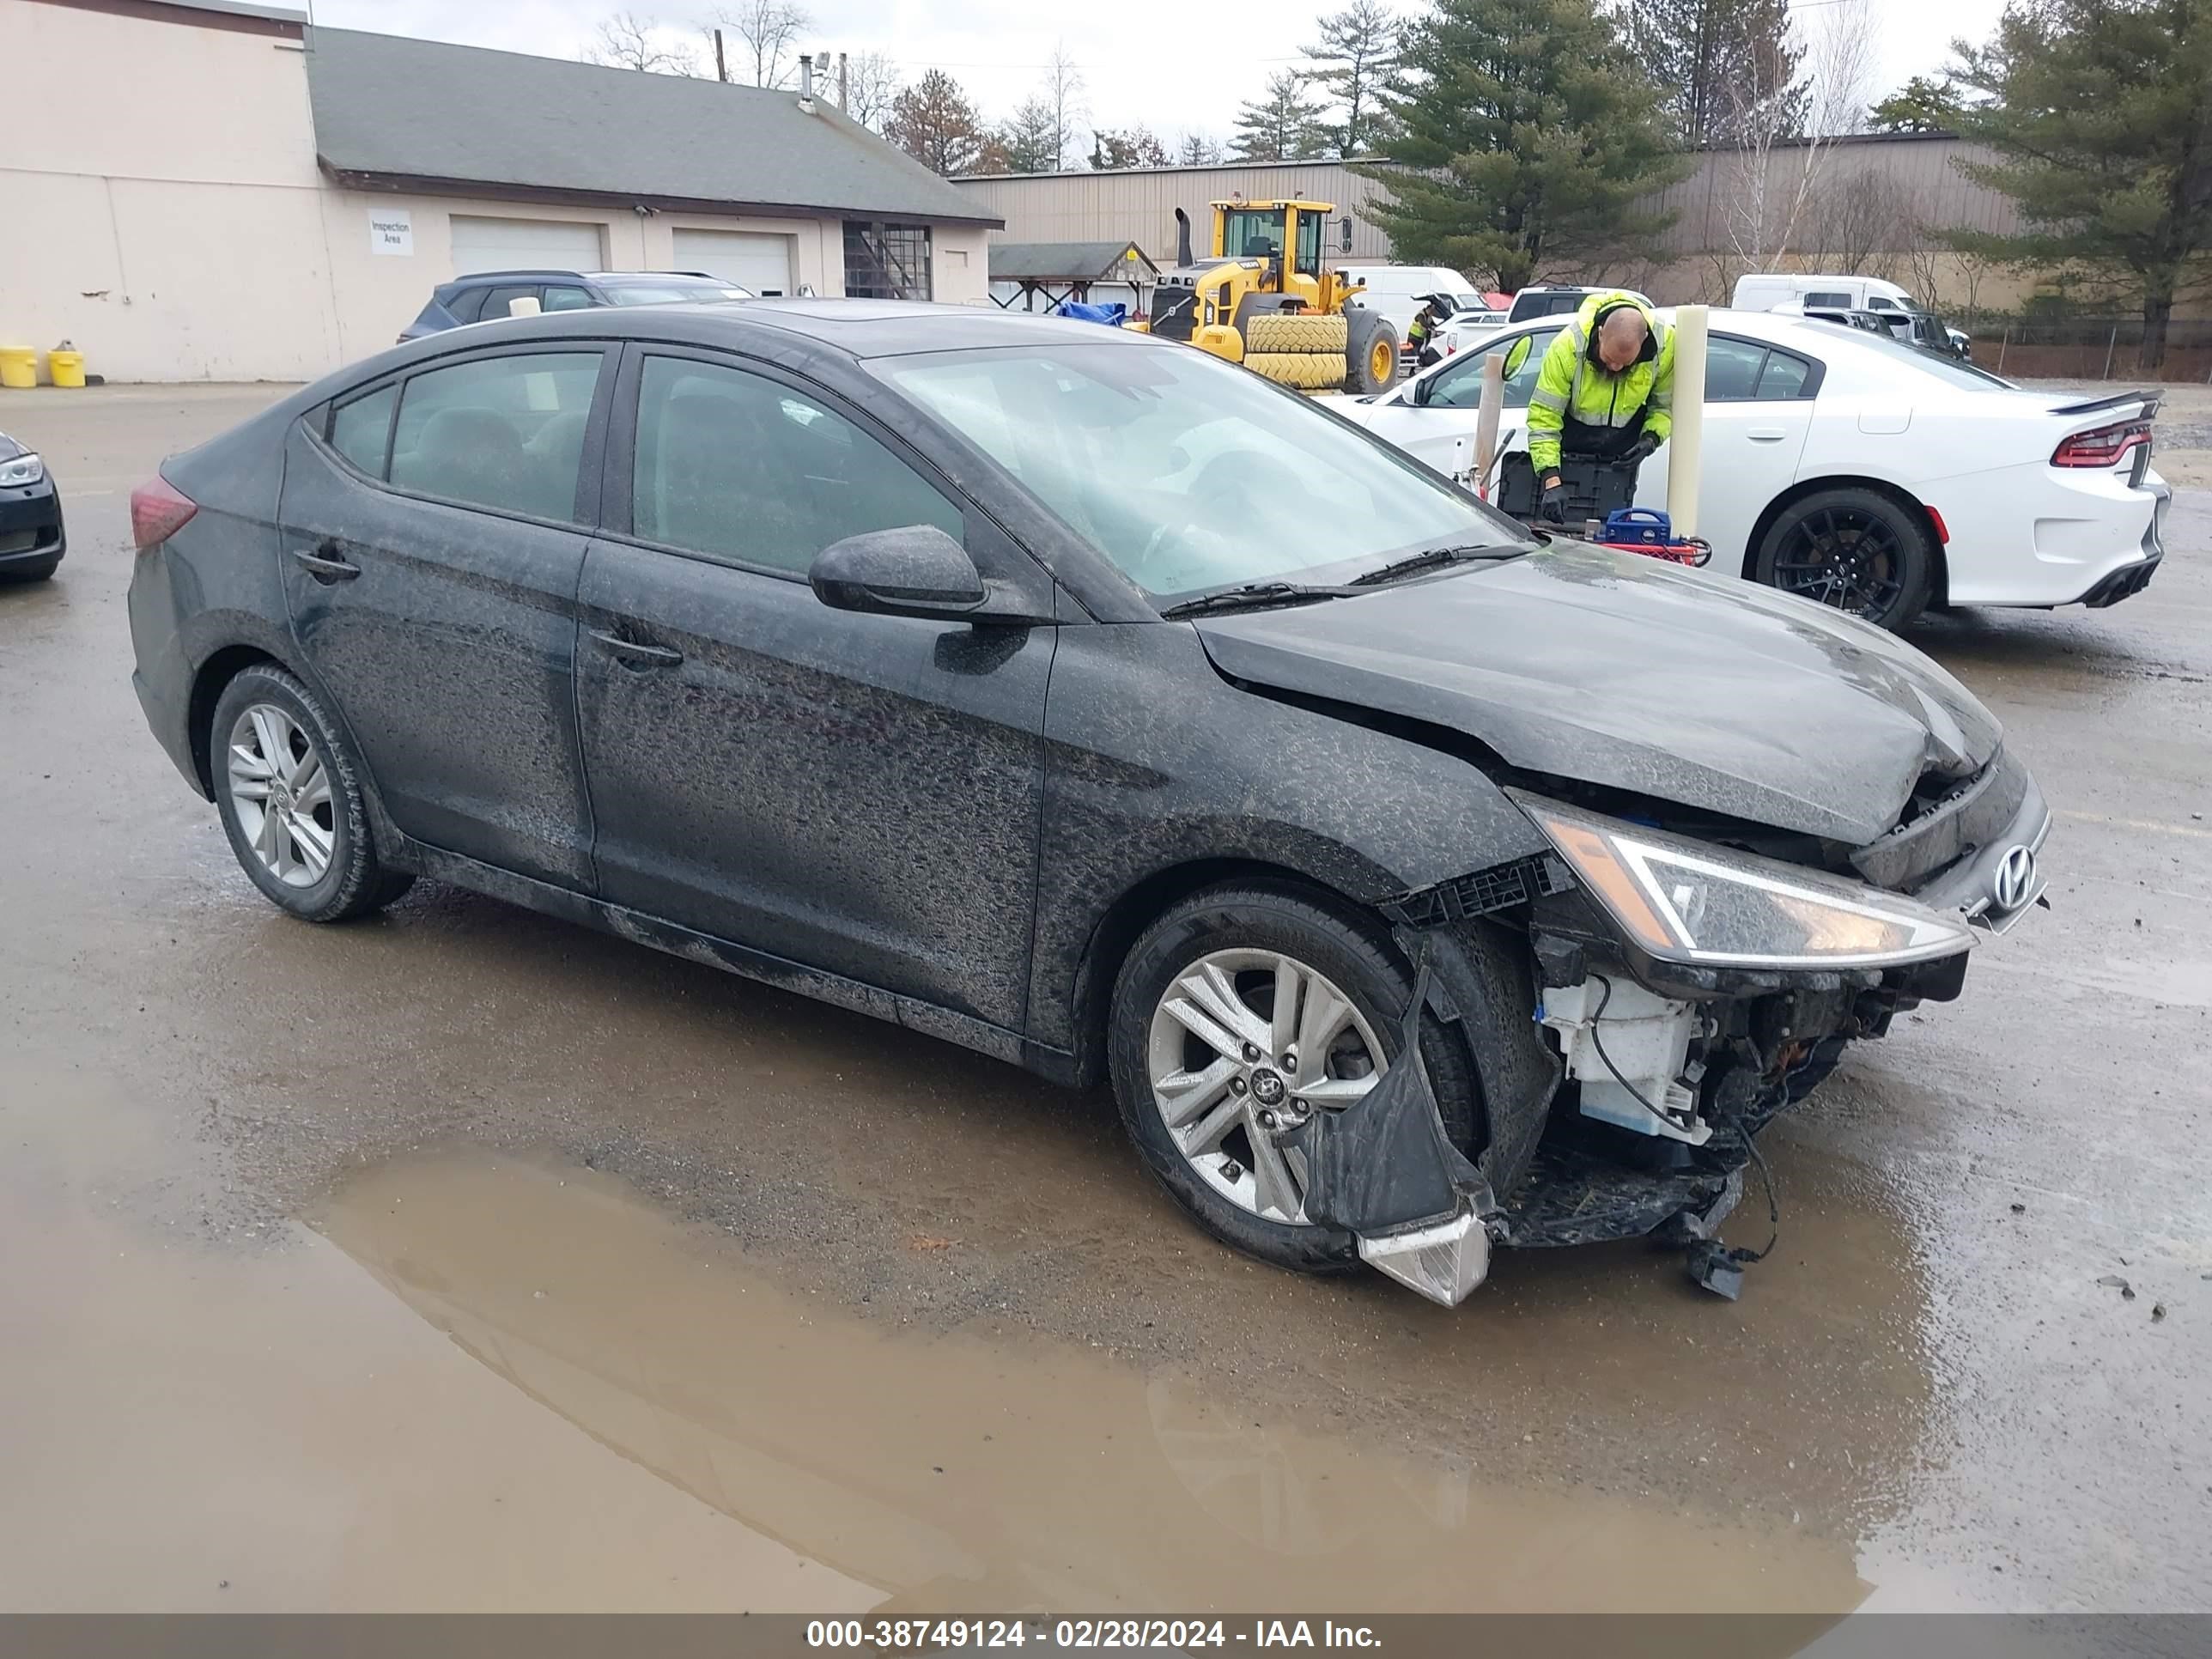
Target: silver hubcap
{"type": "Point", "coordinates": [281, 793]}
{"type": "Point", "coordinates": [1245, 1046]}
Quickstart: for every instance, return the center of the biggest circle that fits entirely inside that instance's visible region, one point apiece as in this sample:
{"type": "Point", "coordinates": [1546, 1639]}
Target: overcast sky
{"type": "Point", "coordinates": [997, 48]}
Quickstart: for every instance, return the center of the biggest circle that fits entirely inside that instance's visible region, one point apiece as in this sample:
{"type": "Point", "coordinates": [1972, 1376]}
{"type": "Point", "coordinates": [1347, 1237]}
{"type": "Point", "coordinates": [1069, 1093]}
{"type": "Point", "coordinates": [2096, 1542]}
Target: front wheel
{"type": "Point", "coordinates": [1371, 356]}
{"type": "Point", "coordinates": [1239, 1014]}
{"type": "Point", "coordinates": [1852, 550]}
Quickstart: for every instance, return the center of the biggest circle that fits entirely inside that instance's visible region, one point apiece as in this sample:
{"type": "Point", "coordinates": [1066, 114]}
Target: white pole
{"type": "Point", "coordinates": [1485, 421]}
{"type": "Point", "coordinates": [1686, 448]}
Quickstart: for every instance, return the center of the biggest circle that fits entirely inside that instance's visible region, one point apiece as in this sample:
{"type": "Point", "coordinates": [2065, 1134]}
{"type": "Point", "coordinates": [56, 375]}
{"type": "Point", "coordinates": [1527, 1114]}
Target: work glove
{"type": "Point", "coordinates": [1645, 447]}
{"type": "Point", "coordinates": [1553, 508]}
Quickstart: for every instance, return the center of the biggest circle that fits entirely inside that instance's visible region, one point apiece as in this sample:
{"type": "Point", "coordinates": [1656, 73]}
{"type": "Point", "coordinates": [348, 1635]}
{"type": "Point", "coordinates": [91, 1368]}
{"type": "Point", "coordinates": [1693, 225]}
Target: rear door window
{"type": "Point", "coordinates": [1785, 377]}
{"type": "Point", "coordinates": [1732, 367]}
{"type": "Point", "coordinates": [1835, 299]}
{"type": "Point", "coordinates": [496, 301]}
{"type": "Point", "coordinates": [560, 298]}
{"type": "Point", "coordinates": [361, 430]}
{"type": "Point", "coordinates": [505, 433]}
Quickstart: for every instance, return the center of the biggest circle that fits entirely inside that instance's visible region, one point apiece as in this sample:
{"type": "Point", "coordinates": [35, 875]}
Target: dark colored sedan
{"type": "Point", "coordinates": [1084, 699]}
{"type": "Point", "coordinates": [486, 295]}
{"type": "Point", "coordinates": [33, 538]}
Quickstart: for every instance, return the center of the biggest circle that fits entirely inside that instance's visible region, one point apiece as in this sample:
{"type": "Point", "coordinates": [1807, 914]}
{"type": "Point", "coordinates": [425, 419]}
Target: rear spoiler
{"type": "Point", "coordinates": [2149, 400]}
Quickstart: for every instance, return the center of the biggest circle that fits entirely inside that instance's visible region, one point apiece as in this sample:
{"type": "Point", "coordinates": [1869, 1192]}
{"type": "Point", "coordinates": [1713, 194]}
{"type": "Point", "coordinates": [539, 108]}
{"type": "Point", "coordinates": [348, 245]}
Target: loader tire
{"type": "Point", "coordinates": [1282, 332]}
{"type": "Point", "coordinates": [1371, 355]}
{"type": "Point", "coordinates": [1306, 371]}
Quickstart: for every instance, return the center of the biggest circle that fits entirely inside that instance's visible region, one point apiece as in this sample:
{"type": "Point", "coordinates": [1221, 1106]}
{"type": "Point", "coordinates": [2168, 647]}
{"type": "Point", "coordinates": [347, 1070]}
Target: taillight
{"type": "Point", "coordinates": [2108, 445]}
{"type": "Point", "coordinates": [158, 511]}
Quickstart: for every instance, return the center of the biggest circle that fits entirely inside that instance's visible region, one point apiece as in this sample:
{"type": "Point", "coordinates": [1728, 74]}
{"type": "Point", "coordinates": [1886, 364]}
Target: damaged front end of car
{"type": "Point", "coordinates": [1686, 987]}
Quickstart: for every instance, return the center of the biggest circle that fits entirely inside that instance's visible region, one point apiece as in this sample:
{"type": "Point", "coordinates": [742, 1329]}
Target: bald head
{"type": "Point", "coordinates": [1620, 337]}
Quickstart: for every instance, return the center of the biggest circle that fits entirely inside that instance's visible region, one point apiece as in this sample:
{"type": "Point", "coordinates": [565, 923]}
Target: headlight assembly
{"type": "Point", "coordinates": [23, 470]}
{"type": "Point", "coordinates": [1685, 901]}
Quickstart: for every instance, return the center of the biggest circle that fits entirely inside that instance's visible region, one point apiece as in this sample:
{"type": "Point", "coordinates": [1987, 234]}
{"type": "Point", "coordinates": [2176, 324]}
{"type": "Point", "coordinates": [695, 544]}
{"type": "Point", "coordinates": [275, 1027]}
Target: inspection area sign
{"type": "Point", "coordinates": [390, 230]}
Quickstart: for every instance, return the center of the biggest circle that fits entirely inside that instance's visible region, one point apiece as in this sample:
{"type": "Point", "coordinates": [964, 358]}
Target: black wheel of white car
{"type": "Point", "coordinates": [1854, 550]}
{"type": "Point", "coordinates": [1238, 1015]}
{"type": "Point", "coordinates": [291, 797]}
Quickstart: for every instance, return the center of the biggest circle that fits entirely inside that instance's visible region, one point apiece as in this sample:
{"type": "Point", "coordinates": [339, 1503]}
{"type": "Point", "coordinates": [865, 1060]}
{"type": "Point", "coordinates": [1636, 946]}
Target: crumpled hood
{"type": "Point", "coordinates": [1615, 669]}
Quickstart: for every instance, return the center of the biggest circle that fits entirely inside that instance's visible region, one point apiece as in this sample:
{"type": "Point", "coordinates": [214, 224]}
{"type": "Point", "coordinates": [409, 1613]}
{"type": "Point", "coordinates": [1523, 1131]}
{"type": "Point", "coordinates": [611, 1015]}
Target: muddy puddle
{"type": "Point", "coordinates": [480, 1380]}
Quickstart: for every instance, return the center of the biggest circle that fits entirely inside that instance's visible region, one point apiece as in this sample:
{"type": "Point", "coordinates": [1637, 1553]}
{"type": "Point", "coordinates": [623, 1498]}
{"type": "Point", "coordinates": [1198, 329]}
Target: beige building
{"type": "Point", "coordinates": [244, 197]}
{"type": "Point", "coordinates": [1876, 196]}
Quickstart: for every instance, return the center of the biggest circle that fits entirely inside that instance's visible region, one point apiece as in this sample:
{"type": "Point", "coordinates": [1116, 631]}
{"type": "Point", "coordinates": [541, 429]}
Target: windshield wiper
{"type": "Point", "coordinates": [1252, 595]}
{"type": "Point", "coordinates": [1436, 558]}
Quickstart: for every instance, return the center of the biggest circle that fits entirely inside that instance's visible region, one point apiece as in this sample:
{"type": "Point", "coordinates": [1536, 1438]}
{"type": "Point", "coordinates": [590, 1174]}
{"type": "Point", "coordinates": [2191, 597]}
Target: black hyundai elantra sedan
{"type": "Point", "coordinates": [1092, 702]}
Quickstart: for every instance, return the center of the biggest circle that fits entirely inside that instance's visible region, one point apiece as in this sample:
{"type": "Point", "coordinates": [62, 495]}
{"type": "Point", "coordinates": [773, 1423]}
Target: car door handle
{"type": "Point", "coordinates": [323, 567]}
{"type": "Point", "coordinates": [1766, 434]}
{"type": "Point", "coordinates": [636, 655]}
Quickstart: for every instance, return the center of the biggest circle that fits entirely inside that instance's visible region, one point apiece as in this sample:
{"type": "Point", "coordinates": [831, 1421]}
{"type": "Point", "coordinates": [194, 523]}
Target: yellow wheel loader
{"type": "Point", "coordinates": [1264, 300]}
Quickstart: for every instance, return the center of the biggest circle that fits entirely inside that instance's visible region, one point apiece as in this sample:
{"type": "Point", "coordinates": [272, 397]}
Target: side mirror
{"type": "Point", "coordinates": [915, 571]}
{"type": "Point", "coordinates": [1421, 390]}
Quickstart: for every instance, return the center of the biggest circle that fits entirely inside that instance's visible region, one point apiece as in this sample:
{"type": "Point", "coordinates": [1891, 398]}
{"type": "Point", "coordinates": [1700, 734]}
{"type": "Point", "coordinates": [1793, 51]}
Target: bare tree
{"type": "Point", "coordinates": [1860, 216]}
{"type": "Point", "coordinates": [1196, 149]}
{"type": "Point", "coordinates": [1063, 94]}
{"type": "Point", "coordinates": [771, 30]}
{"type": "Point", "coordinates": [1778, 172]}
{"type": "Point", "coordinates": [1924, 260]}
{"type": "Point", "coordinates": [626, 40]}
{"type": "Point", "coordinates": [872, 81]}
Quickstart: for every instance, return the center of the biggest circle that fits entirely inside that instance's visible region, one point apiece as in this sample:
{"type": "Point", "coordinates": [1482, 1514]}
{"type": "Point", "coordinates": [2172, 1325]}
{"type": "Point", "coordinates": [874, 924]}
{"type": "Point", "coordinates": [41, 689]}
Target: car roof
{"type": "Point", "coordinates": [851, 328]}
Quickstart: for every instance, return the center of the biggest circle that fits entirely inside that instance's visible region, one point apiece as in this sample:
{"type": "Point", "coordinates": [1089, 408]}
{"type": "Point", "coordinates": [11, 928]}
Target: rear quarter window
{"type": "Point", "coordinates": [468, 305]}
{"type": "Point", "coordinates": [361, 430]}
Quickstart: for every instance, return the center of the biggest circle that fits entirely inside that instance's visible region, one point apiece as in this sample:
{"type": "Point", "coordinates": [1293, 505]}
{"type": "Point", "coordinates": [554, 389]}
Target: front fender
{"type": "Point", "coordinates": [1154, 761]}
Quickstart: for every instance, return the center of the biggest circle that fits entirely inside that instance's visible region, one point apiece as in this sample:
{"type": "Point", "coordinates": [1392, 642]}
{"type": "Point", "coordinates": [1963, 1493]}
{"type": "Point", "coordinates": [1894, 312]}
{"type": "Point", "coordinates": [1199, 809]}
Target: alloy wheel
{"type": "Point", "coordinates": [1847, 557]}
{"type": "Point", "coordinates": [280, 789]}
{"type": "Point", "coordinates": [1246, 1045]}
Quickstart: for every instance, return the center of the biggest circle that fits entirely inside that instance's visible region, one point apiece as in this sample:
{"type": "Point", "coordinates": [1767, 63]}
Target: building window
{"type": "Point", "coordinates": [886, 262]}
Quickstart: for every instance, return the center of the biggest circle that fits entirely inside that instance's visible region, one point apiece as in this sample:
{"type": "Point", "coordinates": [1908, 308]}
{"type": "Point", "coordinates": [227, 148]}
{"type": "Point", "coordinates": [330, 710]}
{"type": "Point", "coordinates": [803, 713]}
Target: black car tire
{"type": "Point", "coordinates": [1371, 337]}
{"type": "Point", "coordinates": [1357, 959]}
{"type": "Point", "coordinates": [32, 570]}
{"type": "Point", "coordinates": [1907, 531]}
{"type": "Point", "coordinates": [355, 883]}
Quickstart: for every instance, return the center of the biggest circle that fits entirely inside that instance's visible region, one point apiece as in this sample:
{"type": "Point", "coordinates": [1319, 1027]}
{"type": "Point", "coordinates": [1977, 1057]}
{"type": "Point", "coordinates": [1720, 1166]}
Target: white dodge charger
{"type": "Point", "coordinates": [1859, 472]}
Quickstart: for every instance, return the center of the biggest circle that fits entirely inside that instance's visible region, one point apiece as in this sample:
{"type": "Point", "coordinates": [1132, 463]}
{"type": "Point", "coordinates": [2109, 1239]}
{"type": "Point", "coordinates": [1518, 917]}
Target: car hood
{"type": "Point", "coordinates": [1615, 669]}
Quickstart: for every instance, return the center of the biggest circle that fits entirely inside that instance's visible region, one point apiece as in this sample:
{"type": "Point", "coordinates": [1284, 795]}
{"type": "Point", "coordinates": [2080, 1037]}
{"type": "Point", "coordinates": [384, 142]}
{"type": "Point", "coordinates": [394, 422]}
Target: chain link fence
{"type": "Point", "coordinates": [2091, 349]}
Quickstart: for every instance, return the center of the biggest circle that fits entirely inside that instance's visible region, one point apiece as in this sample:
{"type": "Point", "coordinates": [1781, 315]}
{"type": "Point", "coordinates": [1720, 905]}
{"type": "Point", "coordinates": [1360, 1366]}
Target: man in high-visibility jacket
{"type": "Point", "coordinates": [1606, 392]}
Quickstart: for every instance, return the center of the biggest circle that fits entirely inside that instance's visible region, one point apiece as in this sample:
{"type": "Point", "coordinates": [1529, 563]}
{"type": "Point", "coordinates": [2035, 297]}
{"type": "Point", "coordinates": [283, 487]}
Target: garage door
{"type": "Point", "coordinates": [525, 245]}
{"type": "Point", "coordinates": [755, 260]}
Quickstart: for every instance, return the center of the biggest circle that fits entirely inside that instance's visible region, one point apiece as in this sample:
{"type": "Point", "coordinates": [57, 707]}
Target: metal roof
{"type": "Point", "coordinates": [387, 108]}
{"type": "Point", "coordinates": [1063, 262]}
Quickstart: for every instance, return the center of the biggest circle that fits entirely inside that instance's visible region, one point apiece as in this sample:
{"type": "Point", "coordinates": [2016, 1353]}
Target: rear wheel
{"type": "Point", "coordinates": [1853, 549]}
{"type": "Point", "coordinates": [1372, 359]}
{"type": "Point", "coordinates": [1239, 1014]}
{"type": "Point", "coordinates": [290, 796]}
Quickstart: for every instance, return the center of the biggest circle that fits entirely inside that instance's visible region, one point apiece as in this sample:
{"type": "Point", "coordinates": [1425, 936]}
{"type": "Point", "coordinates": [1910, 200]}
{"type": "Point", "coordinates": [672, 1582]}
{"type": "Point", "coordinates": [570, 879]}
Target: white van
{"type": "Point", "coordinates": [1397, 291]}
{"type": "Point", "coordinates": [1768, 289]}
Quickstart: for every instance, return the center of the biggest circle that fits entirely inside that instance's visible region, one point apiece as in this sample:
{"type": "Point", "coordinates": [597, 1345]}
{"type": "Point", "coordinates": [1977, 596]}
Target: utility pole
{"type": "Point", "coordinates": [843, 107]}
{"type": "Point", "coordinates": [721, 65]}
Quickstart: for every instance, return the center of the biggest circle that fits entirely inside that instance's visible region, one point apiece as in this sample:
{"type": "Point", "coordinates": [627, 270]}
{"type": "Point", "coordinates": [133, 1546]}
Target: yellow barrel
{"type": "Point", "coordinates": [18, 366]}
{"type": "Point", "coordinates": [65, 367]}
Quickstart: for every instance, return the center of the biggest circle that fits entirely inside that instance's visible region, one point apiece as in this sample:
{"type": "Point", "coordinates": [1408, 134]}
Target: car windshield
{"type": "Point", "coordinates": [1944, 367]}
{"type": "Point", "coordinates": [664, 293]}
{"type": "Point", "coordinates": [1191, 474]}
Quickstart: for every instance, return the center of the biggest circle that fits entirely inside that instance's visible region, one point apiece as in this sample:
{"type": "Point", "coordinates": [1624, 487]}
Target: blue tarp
{"type": "Point", "coordinates": [1113, 316]}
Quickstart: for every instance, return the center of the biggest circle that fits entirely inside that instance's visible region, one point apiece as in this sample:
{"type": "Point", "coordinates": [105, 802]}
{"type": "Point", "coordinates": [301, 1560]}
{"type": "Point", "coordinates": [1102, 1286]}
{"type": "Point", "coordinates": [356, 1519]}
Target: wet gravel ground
{"type": "Point", "coordinates": [1937, 1386]}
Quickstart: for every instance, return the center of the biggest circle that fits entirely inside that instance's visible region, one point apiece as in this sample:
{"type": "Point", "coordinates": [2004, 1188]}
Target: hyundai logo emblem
{"type": "Point", "coordinates": [2013, 882]}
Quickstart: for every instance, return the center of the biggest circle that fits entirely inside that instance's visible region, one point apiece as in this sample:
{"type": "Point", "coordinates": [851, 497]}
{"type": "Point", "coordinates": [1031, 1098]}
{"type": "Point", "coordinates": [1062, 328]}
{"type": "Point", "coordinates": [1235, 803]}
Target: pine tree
{"type": "Point", "coordinates": [1028, 137]}
{"type": "Point", "coordinates": [1281, 124]}
{"type": "Point", "coordinates": [1919, 106]}
{"type": "Point", "coordinates": [933, 122]}
{"type": "Point", "coordinates": [1353, 61]}
{"type": "Point", "coordinates": [1701, 52]}
{"type": "Point", "coordinates": [2100, 114]}
{"type": "Point", "coordinates": [1196, 149]}
{"type": "Point", "coordinates": [1528, 131]}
